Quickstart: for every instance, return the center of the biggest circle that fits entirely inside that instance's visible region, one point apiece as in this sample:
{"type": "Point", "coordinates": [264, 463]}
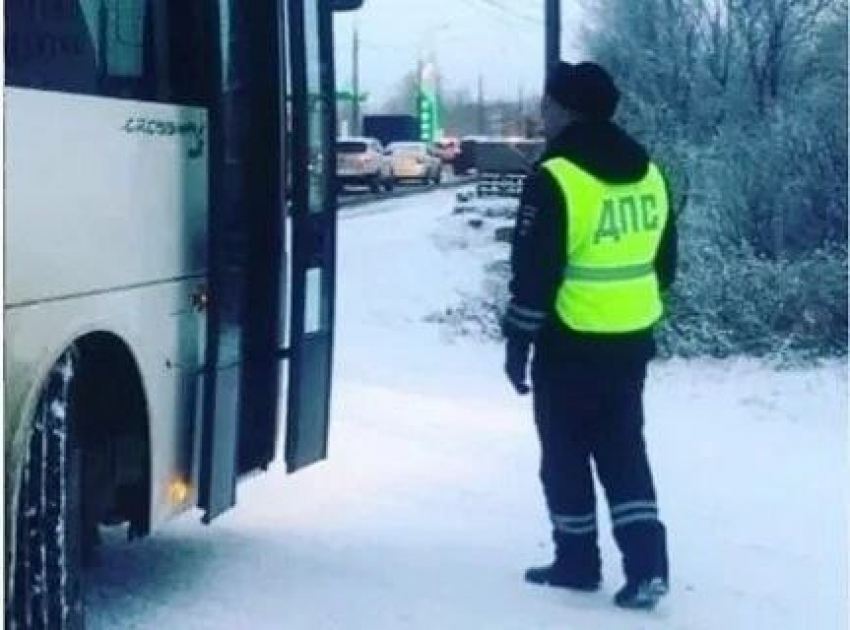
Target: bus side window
{"type": "Point", "coordinates": [126, 52]}
{"type": "Point", "coordinates": [152, 51]}
{"type": "Point", "coordinates": [135, 49]}
{"type": "Point", "coordinates": [50, 46]}
{"type": "Point", "coordinates": [189, 71]}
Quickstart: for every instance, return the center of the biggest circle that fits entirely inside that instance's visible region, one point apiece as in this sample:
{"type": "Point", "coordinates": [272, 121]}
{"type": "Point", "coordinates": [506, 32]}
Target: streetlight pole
{"type": "Point", "coordinates": [553, 33]}
{"type": "Point", "coordinates": [355, 83]}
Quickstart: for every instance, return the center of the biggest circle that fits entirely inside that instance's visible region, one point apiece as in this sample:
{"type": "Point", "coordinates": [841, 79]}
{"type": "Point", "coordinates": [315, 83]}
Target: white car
{"type": "Point", "coordinates": [361, 161]}
{"type": "Point", "coordinates": [414, 161]}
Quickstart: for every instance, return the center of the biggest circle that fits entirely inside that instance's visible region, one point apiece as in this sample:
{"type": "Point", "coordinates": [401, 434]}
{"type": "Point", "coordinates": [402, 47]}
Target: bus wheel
{"type": "Point", "coordinates": [46, 584]}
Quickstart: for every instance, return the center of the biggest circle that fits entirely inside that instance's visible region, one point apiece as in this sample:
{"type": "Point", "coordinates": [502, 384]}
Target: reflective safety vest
{"type": "Point", "coordinates": [613, 231]}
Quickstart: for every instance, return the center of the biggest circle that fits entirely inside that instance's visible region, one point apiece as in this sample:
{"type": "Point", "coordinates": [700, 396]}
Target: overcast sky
{"type": "Point", "coordinates": [502, 40]}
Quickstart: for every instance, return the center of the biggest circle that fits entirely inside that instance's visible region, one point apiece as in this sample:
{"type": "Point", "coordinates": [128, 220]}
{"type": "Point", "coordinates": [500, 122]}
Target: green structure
{"type": "Point", "coordinates": [429, 114]}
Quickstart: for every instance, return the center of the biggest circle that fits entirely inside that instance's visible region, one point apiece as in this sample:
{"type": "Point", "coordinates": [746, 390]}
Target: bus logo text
{"type": "Point", "coordinates": [152, 127]}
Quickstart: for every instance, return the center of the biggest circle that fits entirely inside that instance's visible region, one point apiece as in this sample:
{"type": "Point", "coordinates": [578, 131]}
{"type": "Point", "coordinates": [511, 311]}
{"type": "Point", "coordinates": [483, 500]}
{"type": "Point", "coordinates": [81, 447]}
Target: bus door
{"type": "Point", "coordinates": [313, 215]}
{"type": "Point", "coordinates": [271, 135]}
{"type": "Point", "coordinates": [239, 419]}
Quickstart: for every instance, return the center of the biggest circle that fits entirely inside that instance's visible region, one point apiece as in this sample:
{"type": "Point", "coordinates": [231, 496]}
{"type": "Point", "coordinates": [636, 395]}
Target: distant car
{"type": "Point", "coordinates": [447, 149]}
{"type": "Point", "coordinates": [497, 154]}
{"type": "Point", "coordinates": [507, 155]}
{"type": "Point", "coordinates": [465, 159]}
{"type": "Point", "coordinates": [414, 161]}
{"type": "Point", "coordinates": [361, 161]}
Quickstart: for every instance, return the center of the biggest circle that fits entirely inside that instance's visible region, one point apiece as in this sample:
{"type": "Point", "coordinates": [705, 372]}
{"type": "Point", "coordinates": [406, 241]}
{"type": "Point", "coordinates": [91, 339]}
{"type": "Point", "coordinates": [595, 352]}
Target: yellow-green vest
{"type": "Point", "coordinates": [613, 232]}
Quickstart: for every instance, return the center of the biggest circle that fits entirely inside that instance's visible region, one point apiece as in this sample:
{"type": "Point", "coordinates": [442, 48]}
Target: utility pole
{"type": "Point", "coordinates": [355, 83]}
{"type": "Point", "coordinates": [420, 69]}
{"type": "Point", "coordinates": [520, 119]}
{"type": "Point", "coordinates": [480, 105]}
{"type": "Point", "coordinates": [553, 33]}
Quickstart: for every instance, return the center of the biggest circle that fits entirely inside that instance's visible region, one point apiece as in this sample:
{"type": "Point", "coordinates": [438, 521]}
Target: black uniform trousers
{"type": "Point", "coordinates": [592, 412]}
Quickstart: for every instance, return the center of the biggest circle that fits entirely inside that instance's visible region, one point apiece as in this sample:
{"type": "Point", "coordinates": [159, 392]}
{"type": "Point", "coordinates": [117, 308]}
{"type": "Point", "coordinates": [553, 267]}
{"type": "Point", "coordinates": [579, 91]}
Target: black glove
{"type": "Point", "coordinates": [516, 365]}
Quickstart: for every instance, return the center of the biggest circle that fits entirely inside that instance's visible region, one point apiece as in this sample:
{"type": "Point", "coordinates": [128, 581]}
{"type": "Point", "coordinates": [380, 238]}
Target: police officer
{"type": "Point", "coordinates": [594, 245]}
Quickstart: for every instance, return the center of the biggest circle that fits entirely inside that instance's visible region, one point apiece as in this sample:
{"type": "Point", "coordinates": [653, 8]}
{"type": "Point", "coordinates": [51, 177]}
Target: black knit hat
{"type": "Point", "coordinates": [586, 88]}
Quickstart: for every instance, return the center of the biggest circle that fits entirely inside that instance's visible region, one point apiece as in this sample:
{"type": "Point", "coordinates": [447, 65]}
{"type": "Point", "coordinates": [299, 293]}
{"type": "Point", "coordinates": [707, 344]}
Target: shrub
{"type": "Point", "coordinates": [733, 302]}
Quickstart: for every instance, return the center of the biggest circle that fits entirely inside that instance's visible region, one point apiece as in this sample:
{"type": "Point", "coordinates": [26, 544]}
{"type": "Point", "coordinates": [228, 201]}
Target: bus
{"type": "Point", "coordinates": [170, 257]}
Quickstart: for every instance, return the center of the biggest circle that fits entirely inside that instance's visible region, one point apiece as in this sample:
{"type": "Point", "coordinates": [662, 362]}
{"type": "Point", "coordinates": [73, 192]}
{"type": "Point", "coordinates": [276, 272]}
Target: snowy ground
{"type": "Point", "coordinates": [429, 508]}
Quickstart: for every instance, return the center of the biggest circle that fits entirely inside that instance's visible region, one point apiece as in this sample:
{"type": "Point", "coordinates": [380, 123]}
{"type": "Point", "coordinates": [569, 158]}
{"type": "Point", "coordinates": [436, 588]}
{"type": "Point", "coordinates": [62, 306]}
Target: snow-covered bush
{"type": "Point", "coordinates": [733, 302]}
{"type": "Point", "coordinates": [726, 302]}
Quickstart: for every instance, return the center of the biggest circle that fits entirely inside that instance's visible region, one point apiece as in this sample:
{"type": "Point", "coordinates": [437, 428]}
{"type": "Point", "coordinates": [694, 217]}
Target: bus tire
{"type": "Point", "coordinates": [46, 583]}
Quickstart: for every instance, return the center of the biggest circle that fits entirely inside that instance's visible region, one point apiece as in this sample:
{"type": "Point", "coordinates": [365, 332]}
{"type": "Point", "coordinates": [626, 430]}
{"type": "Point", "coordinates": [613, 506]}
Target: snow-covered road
{"type": "Point", "coordinates": [429, 508]}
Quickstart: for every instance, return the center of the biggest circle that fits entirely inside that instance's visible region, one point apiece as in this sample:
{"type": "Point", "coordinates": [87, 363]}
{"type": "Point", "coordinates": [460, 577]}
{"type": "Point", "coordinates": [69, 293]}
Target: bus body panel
{"type": "Point", "coordinates": [158, 325]}
{"type": "Point", "coordinates": [136, 171]}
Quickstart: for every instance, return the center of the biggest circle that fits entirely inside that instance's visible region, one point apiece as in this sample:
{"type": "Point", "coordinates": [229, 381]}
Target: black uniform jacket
{"type": "Point", "coordinates": [539, 251]}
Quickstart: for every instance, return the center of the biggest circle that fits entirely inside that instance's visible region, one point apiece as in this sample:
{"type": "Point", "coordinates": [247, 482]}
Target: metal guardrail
{"type": "Point", "coordinates": [500, 185]}
{"type": "Point", "coordinates": [354, 200]}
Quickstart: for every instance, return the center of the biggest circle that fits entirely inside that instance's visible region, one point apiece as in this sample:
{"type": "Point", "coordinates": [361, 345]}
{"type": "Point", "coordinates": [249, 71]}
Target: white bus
{"type": "Point", "coordinates": [157, 151]}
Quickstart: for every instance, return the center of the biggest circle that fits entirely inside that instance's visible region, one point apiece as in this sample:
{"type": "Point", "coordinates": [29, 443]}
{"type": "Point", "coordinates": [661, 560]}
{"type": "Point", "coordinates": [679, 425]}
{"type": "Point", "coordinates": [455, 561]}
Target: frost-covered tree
{"type": "Point", "coordinates": [745, 103]}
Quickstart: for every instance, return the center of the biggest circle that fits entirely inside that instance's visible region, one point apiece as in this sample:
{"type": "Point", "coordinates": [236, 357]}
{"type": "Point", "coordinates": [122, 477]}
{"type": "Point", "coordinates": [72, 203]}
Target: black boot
{"type": "Point", "coordinates": [642, 594]}
{"type": "Point", "coordinates": [644, 548]}
{"type": "Point", "coordinates": [560, 575]}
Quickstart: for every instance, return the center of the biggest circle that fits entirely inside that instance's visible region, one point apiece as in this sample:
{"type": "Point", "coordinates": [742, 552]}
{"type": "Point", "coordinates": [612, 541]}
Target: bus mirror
{"type": "Point", "coordinates": [345, 5]}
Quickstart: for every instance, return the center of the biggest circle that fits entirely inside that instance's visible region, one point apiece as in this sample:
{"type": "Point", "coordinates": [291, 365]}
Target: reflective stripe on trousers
{"type": "Point", "coordinates": [633, 512]}
{"type": "Point", "coordinates": [576, 525]}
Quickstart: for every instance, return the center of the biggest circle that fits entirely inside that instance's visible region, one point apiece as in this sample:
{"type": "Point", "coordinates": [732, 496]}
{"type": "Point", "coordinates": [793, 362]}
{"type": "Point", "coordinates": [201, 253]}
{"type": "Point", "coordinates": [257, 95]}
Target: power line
{"type": "Point", "coordinates": [495, 4]}
{"type": "Point", "coordinates": [535, 17]}
{"type": "Point", "coordinates": [380, 47]}
{"type": "Point", "coordinates": [509, 12]}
